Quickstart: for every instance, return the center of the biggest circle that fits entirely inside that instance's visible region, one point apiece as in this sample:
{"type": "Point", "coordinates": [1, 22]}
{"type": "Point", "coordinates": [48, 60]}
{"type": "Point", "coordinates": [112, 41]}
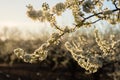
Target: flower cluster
{"type": "Point", "coordinates": [88, 6]}
{"type": "Point", "coordinates": [109, 48]}
{"type": "Point", "coordinates": [94, 53]}
{"type": "Point", "coordinates": [85, 56]}
{"type": "Point", "coordinates": [45, 6]}
{"type": "Point", "coordinates": [39, 55]}
{"type": "Point", "coordinates": [74, 5]}
{"type": "Point", "coordinates": [53, 38]}
{"type": "Point", "coordinates": [59, 8]}
{"type": "Point", "coordinates": [41, 15]}
{"type": "Point", "coordinates": [70, 3]}
{"type": "Point", "coordinates": [88, 57]}
{"type": "Point", "coordinates": [33, 13]}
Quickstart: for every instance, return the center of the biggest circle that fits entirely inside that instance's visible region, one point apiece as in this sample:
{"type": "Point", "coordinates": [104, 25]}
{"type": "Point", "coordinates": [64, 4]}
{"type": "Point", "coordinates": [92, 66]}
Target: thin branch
{"type": "Point", "coordinates": [57, 27]}
{"type": "Point", "coordinates": [63, 33]}
{"type": "Point", "coordinates": [114, 2]}
{"type": "Point", "coordinates": [56, 38]}
{"type": "Point", "coordinates": [96, 2]}
{"type": "Point", "coordinates": [95, 15]}
{"type": "Point", "coordinates": [98, 14]}
{"type": "Point", "coordinates": [54, 26]}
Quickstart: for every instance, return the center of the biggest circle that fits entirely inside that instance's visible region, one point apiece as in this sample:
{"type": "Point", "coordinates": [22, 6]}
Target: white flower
{"type": "Point", "coordinates": [42, 54]}
{"type": "Point", "coordinates": [45, 6]}
{"type": "Point", "coordinates": [30, 7]}
{"type": "Point", "coordinates": [59, 8]}
{"type": "Point", "coordinates": [32, 14]}
{"type": "Point", "coordinates": [88, 6]}
{"type": "Point", "coordinates": [27, 57]}
{"type": "Point", "coordinates": [19, 52]}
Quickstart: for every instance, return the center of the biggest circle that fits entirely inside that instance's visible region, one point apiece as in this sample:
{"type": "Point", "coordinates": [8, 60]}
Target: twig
{"type": "Point", "coordinates": [115, 4]}
{"type": "Point", "coordinates": [98, 14]}
{"type": "Point", "coordinates": [57, 27]}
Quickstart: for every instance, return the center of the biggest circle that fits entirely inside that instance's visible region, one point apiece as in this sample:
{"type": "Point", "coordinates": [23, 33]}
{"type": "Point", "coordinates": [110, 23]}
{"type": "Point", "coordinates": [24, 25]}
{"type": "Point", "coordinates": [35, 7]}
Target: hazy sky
{"type": "Point", "coordinates": [13, 13]}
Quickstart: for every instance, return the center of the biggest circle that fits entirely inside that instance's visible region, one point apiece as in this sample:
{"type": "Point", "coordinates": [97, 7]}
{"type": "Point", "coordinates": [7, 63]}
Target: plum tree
{"type": "Point", "coordinates": [84, 12]}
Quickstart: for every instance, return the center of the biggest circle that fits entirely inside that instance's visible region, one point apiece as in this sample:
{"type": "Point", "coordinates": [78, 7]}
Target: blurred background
{"type": "Point", "coordinates": [19, 31]}
{"type": "Point", "coordinates": [59, 64]}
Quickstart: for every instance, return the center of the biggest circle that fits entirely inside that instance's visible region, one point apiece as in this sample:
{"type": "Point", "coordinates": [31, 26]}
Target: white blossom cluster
{"type": "Point", "coordinates": [88, 6]}
{"type": "Point", "coordinates": [86, 56]}
{"type": "Point", "coordinates": [74, 5]}
{"type": "Point", "coordinates": [39, 54]}
{"type": "Point", "coordinates": [41, 15]}
{"type": "Point", "coordinates": [59, 8]}
{"type": "Point", "coordinates": [53, 38]}
{"type": "Point", "coordinates": [110, 47]}
{"type": "Point", "coordinates": [79, 10]}
{"type": "Point", "coordinates": [90, 55]}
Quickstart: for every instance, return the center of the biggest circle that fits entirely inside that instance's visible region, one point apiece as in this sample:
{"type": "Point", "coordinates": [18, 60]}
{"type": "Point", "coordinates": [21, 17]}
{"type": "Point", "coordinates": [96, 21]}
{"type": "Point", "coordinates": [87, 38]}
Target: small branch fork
{"type": "Point", "coordinates": [114, 2]}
